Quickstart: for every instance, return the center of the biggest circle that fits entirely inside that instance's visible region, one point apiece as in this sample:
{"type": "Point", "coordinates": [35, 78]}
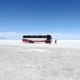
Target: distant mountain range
{"type": "Point", "coordinates": [3, 38]}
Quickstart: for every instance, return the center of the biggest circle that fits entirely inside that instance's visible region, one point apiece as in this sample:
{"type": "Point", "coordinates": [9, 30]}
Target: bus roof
{"type": "Point", "coordinates": [35, 36]}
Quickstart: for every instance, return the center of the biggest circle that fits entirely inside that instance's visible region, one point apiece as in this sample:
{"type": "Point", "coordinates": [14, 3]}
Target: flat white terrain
{"type": "Point", "coordinates": [19, 61]}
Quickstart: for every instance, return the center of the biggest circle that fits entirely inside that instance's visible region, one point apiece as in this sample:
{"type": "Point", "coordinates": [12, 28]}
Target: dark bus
{"type": "Point", "coordinates": [37, 38]}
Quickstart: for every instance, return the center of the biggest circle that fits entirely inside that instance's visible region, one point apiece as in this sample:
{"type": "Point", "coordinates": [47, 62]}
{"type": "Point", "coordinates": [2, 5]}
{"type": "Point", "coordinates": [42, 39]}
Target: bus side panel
{"type": "Point", "coordinates": [25, 40]}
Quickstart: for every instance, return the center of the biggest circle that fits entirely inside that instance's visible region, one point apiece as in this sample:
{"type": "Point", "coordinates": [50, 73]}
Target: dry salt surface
{"type": "Point", "coordinates": [41, 61]}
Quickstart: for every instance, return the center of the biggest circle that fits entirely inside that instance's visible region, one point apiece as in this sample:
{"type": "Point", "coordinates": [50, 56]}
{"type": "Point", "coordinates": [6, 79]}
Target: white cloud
{"type": "Point", "coordinates": [16, 35]}
{"type": "Point", "coordinates": [53, 34]}
{"type": "Point", "coordinates": [10, 35]}
{"type": "Point", "coordinates": [7, 33]}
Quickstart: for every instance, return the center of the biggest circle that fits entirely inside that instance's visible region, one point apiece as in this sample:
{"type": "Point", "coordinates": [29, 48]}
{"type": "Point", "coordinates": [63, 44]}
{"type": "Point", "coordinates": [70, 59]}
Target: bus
{"type": "Point", "coordinates": [37, 38]}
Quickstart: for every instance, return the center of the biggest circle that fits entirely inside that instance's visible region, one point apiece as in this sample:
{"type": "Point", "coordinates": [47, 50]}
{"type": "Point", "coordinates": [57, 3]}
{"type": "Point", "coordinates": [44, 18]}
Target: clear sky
{"type": "Point", "coordinates": [61, 18]}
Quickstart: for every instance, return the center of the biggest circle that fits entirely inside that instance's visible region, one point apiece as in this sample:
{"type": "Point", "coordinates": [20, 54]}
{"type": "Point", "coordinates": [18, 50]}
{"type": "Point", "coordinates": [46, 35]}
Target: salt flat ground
{"type": "Point", "coordinates": [41, 61]}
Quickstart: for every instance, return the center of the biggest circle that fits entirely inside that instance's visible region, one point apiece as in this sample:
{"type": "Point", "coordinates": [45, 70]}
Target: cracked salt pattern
{"type": "Point", "coordinates": [39, 63]}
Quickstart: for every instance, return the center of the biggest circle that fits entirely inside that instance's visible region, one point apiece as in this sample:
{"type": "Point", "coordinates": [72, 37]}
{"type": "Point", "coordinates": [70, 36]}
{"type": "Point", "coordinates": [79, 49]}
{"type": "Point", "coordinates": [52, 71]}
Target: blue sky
{"type": "Point", "coordinates": [60, 18]}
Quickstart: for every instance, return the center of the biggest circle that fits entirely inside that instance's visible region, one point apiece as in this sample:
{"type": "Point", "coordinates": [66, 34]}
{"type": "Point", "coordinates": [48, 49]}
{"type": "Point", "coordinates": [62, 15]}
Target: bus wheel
{"type": "Point", "coordinates": [49, 42]}
{"type": "Point", "coordinates": [31, 41]}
